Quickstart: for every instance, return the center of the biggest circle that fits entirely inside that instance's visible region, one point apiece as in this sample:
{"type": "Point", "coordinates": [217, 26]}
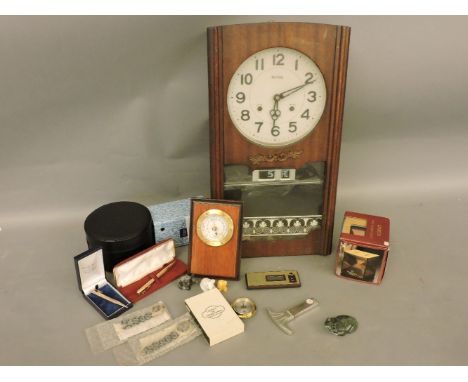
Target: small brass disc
{"type": "Point", "coordinates": [244, 307]}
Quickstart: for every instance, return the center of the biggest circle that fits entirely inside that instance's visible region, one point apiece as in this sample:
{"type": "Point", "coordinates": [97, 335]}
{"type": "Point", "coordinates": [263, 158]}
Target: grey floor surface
{"type": "Point", "coordinates": [417, 316]}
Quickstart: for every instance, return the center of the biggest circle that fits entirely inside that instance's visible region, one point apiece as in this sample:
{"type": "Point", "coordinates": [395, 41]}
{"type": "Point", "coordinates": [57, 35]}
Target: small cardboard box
{"type": "Point", "coordinates": [363, 247]}
{"type": "Point", "coordinates": [215, 316]}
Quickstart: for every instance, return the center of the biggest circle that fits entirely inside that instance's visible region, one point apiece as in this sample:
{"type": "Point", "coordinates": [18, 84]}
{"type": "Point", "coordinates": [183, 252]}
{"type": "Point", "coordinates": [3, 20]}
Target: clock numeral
{"type": "Point", "coordinates": [240, 97]}
{"type": "Point", "coordinates": [259, 64]}
{"type": "Point", "coordinates": [246, 79]}
{"type": "Point", "coordinates": [296, 65]}
{"type": "Point", "coordinates": [269, 174]}
{"type": "Point", "coordinates": [278, 59]}
{"type": "Point", "coordinates": [259, 124]}
{"type": "Point", "coordinates": [275, 131]}
{"type": "Point", "coordinates": [305, 114]}
{"type": "Point", "coordinates": [292, 127]}
{"type": "Point", "coordinates": [313, 96]}
{"type": "Point", "coordinates": [309, 76]}
{"type": "Point", "coordinates": [245, 115]}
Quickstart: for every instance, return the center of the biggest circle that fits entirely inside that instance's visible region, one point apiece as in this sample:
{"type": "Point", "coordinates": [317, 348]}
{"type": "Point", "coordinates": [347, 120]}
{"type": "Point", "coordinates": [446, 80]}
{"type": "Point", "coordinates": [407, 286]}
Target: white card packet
{"type": "Point", "coordinates": [215, 316]}
{"type": "Point", "coordinates": [158, 341]}
{"type": "Point", "coordinates": [109, 334]}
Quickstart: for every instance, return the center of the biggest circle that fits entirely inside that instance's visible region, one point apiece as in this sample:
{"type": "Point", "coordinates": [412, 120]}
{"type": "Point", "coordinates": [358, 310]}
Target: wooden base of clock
{"type": "Point", "coordinates": [237, 55]}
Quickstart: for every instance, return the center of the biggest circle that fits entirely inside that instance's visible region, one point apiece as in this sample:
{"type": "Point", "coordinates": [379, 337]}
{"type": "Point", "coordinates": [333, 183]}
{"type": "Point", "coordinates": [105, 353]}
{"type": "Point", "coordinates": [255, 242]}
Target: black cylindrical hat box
{"type": "Point", "coordinates": [121, 229]}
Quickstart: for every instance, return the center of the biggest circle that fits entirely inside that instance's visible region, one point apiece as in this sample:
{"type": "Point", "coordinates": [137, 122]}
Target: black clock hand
{"type": "Point", "coordinates": [287, 93]}
{"type": "Point", "coordinates": [275, 112]}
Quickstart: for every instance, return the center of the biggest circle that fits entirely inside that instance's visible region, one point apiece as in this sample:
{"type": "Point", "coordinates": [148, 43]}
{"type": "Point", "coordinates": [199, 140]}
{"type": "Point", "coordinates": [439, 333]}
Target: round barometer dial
{"type": "Point", "coordinates": [215, 227]}
{"type": "Point", "coordinates": [276, 97]}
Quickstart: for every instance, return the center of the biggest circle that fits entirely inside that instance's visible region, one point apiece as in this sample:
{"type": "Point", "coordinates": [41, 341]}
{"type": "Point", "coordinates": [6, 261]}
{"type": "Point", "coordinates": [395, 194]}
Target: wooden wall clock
{"type": "Point", "coordinates": [276, 108]}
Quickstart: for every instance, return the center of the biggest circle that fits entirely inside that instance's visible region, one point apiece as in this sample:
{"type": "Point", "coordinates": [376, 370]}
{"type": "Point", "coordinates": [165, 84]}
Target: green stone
{"type": "Point", "coordinates": [341, 325]}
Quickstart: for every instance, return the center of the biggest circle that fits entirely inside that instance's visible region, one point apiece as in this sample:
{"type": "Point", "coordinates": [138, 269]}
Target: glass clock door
{"type": "Point", "coordinates": [278, 203]}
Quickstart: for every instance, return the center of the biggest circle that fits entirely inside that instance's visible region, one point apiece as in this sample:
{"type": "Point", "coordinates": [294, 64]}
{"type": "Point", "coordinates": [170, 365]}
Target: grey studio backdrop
{"type": "Point", "coordinates": [102, 109]}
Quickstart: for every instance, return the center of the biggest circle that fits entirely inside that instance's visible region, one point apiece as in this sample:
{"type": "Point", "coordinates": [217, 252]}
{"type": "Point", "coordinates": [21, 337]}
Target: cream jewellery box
{"type": "Point", "coordinates": [148, 271]}
{"type": "Point", "coordinates": [215, 316]}
{"type": "Point", "coordinates": [107, 300]}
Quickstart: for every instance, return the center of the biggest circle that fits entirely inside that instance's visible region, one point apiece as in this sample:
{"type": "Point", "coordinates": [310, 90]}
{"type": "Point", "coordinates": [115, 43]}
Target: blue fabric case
{"type": "Point", "coordinates": [106, 306]}
{"type": "Point", "coordinates": [90, 273]}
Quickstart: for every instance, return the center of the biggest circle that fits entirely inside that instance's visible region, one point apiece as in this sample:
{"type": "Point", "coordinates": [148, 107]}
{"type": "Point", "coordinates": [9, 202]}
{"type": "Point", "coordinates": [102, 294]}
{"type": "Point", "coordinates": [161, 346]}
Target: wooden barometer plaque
{"type": "Point", "coordinates": [215, 233]}
{"type": "Point", "coordinates": [276, 109]}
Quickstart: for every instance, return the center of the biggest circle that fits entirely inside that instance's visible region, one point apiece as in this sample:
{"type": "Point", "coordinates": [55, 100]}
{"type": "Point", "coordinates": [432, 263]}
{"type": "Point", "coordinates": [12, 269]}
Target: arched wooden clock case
{"type": "Point", "coordinates": [289, 191]}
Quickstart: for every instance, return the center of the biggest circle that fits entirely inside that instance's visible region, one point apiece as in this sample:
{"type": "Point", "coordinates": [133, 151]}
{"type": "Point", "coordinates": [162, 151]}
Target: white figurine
{"type": "Point", "coordinates": [207, 284]}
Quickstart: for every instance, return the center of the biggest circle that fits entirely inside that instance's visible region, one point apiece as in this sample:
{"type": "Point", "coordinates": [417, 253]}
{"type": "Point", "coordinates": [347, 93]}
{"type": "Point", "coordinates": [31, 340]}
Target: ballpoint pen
{"type": "Point", "coordinates": [150, 282]}
{"type": "Point", "coordinates": [98, 293]}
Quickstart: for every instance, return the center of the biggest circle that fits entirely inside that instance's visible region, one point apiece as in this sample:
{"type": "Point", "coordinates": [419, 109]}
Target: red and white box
{"type": "Point", "coordinates": [363, 247]}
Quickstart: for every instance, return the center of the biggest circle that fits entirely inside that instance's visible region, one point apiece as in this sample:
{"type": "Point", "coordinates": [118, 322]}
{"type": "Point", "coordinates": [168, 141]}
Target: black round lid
{"type": "Point", "coordinates": [119, 226]}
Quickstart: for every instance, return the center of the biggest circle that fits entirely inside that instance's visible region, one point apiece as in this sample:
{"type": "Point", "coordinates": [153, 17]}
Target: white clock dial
{"type": "Point", "coordinates": [215, 227]}
{"type": "Point", "coordinates": [276, 97]}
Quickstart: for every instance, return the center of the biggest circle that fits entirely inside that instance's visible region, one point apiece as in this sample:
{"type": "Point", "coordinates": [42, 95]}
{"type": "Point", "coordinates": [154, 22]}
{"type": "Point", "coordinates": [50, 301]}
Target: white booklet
{"type": "Point", "coordinates": [215, 316]}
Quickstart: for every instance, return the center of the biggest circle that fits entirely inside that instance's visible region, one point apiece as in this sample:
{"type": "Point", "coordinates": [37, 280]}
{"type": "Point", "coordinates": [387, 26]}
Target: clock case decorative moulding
{"type": "Point", "coordinates": [327, 45]}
